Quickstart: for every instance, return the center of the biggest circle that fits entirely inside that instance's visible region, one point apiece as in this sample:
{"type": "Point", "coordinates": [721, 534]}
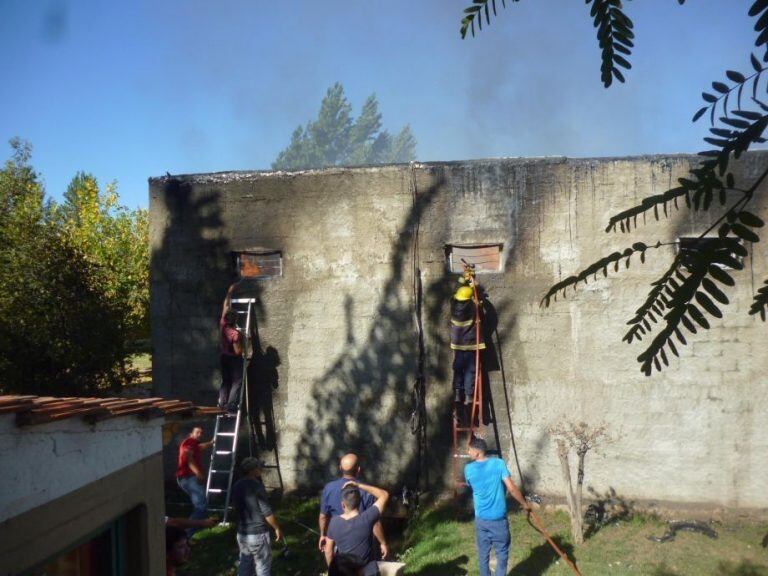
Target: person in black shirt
{"type": "Point", "coordinates": [351, 533]}
{"type": "Point", "coordinates": [254, 516]}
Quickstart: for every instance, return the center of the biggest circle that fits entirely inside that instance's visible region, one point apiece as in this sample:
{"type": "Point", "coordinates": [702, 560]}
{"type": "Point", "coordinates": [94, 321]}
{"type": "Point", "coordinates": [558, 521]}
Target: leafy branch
{"type": "Point", "coordinates": [760, 302]}
{"type": "Point", "coordinates": [475, 12]}
{"type": "Point", "coordinates": [737, 133]}
{"type": "Point", "coordinates": [614, 32]}
{"type": "Point", "coordinates": [614, 35]}
{"type": "Point", "coordinates": [723, 91]}
{"type": "Point", "coordinates": [688, 299]}
{"type": "Point", "coordinates": [612, 260]}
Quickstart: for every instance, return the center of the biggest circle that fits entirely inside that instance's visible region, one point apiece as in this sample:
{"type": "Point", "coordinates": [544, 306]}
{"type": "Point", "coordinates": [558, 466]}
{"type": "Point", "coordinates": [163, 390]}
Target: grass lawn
{"type": "Point", "coordinates": [439, 542]}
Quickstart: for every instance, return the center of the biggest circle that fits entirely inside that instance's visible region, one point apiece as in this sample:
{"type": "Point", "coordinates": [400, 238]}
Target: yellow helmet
{"type": "Point", "coordinates": [463, 293]}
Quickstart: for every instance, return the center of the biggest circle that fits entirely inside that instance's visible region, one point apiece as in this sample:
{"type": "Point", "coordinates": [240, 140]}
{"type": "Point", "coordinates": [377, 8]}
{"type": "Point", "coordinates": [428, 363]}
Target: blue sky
{"type": "Point", "coordinates": [129, 90]}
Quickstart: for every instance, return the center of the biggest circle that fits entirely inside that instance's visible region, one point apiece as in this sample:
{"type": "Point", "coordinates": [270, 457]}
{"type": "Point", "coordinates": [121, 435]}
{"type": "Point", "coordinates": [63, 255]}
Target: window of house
{"type": "Point", "coordinates": [485, 257]}
{"type": "Point", "coordinates": [689, 246]}
{"type": "Point", "coordinates": [259, 263]}
{"type": "Point", "coordinates": [117, 549]}
{"type": "Point", "coordinates": [102, 554]}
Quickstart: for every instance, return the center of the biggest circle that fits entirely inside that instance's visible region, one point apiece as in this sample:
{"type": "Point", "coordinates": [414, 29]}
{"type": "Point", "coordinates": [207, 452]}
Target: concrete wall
{"type": "Point", "coordinates": [64, 482]}
{"type": "Point", "coordinates": [341, 318]}
{"type": "Point", "coordinates": [43, 462]}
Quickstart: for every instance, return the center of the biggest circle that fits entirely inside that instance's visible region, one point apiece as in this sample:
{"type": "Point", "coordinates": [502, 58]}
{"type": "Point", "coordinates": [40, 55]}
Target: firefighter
{"type": "Point", "coordinates": [466, 339]}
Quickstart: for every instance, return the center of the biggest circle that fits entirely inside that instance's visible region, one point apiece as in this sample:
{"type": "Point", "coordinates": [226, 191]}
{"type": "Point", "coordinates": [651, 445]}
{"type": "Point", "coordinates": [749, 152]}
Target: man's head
{"type": "Point", "coordinates": [477, 448]}
{"type": "Point", "coordinates": [196, 433]}
{"type": "Point", "coordinates": [230, 317]}
{"type": "Point", "coordinates": [346, 565]}
{"type": "Point", "coordinates": [350, 499]}
{"type": "Point", "coordinates": [176, 546]}
{"type": "Point", "coordinates": [252, 466]}
{"type": "Point", "coordinates": [349, 465]}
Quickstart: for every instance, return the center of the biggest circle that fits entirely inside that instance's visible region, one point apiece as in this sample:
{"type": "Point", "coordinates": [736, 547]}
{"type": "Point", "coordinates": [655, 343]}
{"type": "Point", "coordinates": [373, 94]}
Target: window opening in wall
{"type": "Point", "coordinates": [103, 554]}
{"type": "Point", "coordinates": [485, 257]}
{"type": "Point", "coordinates": [688, 247]}
{"type": "Point", "coordinates": [259, 263]}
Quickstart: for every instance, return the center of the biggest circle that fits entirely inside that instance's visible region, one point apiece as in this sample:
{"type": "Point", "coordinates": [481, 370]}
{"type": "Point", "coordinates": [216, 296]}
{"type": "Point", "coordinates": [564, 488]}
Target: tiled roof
{"type": "Point", "coordinates": [42, 409]}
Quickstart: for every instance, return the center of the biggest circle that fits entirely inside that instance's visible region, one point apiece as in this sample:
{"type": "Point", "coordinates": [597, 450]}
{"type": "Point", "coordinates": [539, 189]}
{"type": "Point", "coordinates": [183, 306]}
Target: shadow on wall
{"type": "Point", "coordinates": [497, 377]}
{"type": "Point", "coordinates": [191, 272]}
{"type": "Point", "coordinates": [364, 401]}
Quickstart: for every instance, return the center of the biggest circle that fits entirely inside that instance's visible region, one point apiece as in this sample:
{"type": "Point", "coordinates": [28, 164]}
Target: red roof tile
{"type": "Point", "coordinates": [42, 409]}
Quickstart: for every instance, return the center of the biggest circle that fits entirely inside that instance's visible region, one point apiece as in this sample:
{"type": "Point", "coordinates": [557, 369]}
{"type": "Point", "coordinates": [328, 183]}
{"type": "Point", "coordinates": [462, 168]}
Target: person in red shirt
{"type": "Point", "coordinates": [189, 473]}
{"type": "Point", "coordinates": [230, 357]}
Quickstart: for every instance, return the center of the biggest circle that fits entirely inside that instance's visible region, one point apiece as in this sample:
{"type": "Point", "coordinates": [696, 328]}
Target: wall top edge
{"type": "Point", "coordinates": [236, 175]}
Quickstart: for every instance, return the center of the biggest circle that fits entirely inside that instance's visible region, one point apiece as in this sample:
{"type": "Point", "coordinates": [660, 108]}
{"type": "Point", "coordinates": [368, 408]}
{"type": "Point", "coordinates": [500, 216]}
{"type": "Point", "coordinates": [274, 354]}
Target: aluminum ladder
{"type": "Point", "coordinates": [226, 433]}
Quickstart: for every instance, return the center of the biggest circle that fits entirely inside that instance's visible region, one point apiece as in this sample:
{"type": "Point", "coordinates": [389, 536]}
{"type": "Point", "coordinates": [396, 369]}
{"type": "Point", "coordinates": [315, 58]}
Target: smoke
{"type": "Point", "coordinates": [55, 22]}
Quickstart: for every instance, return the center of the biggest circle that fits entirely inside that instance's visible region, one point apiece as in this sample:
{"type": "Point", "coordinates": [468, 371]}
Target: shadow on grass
{"type": "Point", "coordinates": [455, 567]}
{"type": "Point", "coordinates": [541, 558]}
{"type": "Point", "coordinates": [745, 568]}
{"type": "Point", "coordinates": [215, 553]}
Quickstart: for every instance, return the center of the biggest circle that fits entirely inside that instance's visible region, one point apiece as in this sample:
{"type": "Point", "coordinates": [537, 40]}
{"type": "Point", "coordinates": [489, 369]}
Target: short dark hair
{"type": "Point", "coordinates": [351, 497]}
{"type": "Point", "coordinates": [478, 444]}
{"type": "Point", "coordinates": [230, 316]}
{"type": "Point", "coordinates": [346, 565]}
{"type": "Point", "coordinates": [172, 535]}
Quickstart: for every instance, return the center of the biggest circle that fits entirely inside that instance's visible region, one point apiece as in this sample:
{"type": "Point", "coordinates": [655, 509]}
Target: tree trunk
{"type": "Point", "coordinates": [574, 511]}
{"type": "Point", "coordinates": [577, 521]}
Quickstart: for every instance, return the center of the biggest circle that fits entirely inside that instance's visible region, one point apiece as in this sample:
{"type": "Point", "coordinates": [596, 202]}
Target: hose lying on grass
{"type": "Point", "coordinates": [675, 527]}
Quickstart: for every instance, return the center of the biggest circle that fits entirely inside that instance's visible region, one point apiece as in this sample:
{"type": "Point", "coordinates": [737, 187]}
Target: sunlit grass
{"type": "Point", "coordinates": [441, 542]}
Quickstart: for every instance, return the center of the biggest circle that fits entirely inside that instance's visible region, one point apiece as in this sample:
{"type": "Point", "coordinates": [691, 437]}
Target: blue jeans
{"type": "Point", "coordinates": [492, 533]}
{"type": "Point", "coordinates": [255, 554]}
{"type": "Point", "coordinates": [196, 493]}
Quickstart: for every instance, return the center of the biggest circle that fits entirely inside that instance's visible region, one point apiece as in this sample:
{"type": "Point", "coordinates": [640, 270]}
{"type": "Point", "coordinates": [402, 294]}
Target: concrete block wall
{"type": "Point", "coordinates": [341, 318]}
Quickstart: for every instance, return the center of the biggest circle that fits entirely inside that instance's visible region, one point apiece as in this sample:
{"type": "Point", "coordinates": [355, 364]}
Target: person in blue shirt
{"type": "Point", "coordinates": [488, 478]}
{"type": "Point", "coordinates": [330, 502]}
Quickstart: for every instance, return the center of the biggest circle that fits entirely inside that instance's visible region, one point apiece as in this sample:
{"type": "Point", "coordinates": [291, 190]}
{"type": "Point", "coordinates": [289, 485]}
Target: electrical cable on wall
{"type": "Point", "coordinates": [419, 413]}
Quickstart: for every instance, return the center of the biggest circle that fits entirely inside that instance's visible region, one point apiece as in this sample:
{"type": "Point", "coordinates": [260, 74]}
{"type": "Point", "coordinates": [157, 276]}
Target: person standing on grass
{"type": "Point", "coordinates": [189, 473]}
{"type": "Point", "coordinates": [351, 533]}
{"type": "Point", "coordinates": [330, 502]}
{"type": "Point", "coordinates": [488, 478]}
{"type": "Point", "coordinates": [254, 517]}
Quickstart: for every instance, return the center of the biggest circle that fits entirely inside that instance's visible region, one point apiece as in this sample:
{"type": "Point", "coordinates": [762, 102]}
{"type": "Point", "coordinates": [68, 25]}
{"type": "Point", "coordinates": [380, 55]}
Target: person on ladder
{"type": "Point", "coordinates": [230, 356]}
{"type": "Point", "coordinates": [465, 342]}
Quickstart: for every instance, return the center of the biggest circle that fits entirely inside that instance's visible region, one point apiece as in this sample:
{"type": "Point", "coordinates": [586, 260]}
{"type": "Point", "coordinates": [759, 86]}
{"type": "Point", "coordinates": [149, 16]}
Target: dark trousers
{"type": "Point", "coordinates": [464, 368]}
{"type": "Point", "coordinates": [231, 382]}
{"type": "Point", "coordinates": [492, 534]}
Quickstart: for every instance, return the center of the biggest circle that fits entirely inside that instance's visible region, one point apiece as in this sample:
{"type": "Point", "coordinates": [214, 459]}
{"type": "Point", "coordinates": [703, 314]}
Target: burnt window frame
{"type": "Point", "coordinates": [449, 250]}
{"type": "Point", "coordinates": [256, 252]}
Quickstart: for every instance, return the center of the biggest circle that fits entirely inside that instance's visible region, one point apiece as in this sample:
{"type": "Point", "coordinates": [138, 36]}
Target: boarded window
{"type": "Point", "coordinates": [485, 257]}
{"type": "Point", "coordinates": [688, 247]}
{"type": "Point", "coordinates": [260, 264]}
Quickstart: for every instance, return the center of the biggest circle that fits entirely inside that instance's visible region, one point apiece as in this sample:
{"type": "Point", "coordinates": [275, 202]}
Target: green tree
{"type": "Point", "coordinates": [336, 139]}
{"type": "Point", "coordinates": [65, 317]}
{"type": "Point", "coordinates": [694, 286]}
{"type": "Point", "coordinates": [116, 240]}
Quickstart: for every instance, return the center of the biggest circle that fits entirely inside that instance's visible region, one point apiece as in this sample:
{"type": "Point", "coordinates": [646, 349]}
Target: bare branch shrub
{"type": "Point", "coordinates": [579, 438]}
